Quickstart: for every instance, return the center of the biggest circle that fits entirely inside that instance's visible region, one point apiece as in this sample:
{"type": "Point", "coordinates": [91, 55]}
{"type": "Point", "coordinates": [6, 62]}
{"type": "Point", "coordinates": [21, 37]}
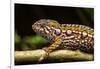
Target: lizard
{"type": "Point", "coordinates": [65, 36]}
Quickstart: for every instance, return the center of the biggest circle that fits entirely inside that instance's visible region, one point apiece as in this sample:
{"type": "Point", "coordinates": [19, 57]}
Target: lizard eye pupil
{"type": "Point", "coordinates": [57, 31]}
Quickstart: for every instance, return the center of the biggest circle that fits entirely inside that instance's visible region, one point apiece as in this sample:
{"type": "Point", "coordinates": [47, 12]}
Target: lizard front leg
{"type": "Point", "coordinates": [51, 48]}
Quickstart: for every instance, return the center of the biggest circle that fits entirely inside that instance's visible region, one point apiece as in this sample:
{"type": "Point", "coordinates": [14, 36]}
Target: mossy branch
{"type": "Point", "coordinates": [62, 55]}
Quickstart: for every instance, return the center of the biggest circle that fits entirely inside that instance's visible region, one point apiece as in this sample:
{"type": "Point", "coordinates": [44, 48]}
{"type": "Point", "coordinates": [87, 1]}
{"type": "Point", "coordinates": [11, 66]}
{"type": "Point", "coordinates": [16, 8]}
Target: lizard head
{"type": "Point", "coordinates": [47, 28]}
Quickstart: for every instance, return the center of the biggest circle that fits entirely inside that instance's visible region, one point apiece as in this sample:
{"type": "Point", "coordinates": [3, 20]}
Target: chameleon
{"type": "Point", "coordinates": [65, 36]}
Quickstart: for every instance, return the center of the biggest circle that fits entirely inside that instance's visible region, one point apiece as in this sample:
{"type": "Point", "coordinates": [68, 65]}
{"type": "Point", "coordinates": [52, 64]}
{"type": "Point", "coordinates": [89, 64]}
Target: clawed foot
{"type": "Point", "coordinates": [44, 56]}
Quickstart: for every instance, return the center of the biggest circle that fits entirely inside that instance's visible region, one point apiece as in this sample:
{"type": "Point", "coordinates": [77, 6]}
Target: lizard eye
{"type": "Point", "coordinates": [57, 31]}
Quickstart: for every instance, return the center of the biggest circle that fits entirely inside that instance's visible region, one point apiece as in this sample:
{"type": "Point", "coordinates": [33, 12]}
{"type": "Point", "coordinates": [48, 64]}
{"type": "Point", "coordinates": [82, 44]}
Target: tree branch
{"type": "Point", "coordinates": [61, 55]}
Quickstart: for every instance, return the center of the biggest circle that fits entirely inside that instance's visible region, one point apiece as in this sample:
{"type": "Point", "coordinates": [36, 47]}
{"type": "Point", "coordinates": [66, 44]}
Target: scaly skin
{"type": "Point", "coordinates": [65, 36]}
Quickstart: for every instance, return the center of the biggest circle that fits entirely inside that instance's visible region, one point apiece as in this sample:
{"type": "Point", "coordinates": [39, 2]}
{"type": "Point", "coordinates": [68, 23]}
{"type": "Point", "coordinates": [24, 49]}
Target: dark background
{"type": "Point", "coordinates": [27, 14]}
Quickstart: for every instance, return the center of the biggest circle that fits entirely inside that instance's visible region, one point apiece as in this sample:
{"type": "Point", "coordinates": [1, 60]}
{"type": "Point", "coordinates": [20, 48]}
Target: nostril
{"type": "Point", "coordinates": [33, 26]}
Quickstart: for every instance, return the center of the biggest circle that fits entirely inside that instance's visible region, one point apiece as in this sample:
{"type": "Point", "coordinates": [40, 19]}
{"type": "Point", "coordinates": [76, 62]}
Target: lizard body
{"type": "Point", "coordinates": [65, 36]}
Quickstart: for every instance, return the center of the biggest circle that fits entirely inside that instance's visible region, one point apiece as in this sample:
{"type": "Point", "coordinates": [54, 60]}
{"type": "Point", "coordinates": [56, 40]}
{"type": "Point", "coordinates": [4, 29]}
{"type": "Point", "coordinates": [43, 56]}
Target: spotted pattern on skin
{"type": "Point", "coordinates": [71, 36]}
